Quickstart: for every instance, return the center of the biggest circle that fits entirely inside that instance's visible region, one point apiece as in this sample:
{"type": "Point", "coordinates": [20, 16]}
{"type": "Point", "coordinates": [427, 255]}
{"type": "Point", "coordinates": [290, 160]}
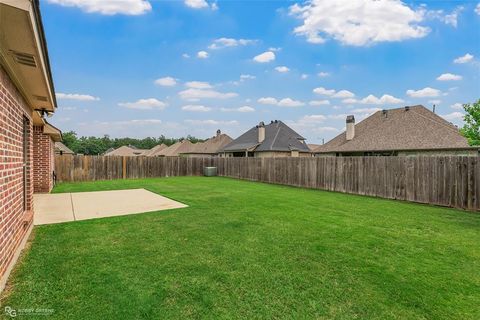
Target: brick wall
{"type": "Point", "coordinates": [16, 217]}
{"type": "Point", "coordinates": [43, 161]}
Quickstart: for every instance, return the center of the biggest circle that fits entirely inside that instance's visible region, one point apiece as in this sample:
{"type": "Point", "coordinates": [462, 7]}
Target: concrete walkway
{"type": "Point", "coordinates": [64, 207]}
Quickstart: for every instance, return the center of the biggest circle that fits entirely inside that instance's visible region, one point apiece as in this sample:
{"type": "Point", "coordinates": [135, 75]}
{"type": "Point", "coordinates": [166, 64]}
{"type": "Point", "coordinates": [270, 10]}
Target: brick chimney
{"type": "Point", "coordinates": [350, 127]}
{"type": "Point", "coordinates": [261, 132]}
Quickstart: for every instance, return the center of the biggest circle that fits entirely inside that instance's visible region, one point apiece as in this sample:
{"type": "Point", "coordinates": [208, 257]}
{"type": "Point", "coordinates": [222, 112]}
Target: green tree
{"type": "Point", "coordinates": [471, 129]}
{"type": "Point", "coordinates": [95, 145]}
{"type": "Point", "coordinates": [69, 138]}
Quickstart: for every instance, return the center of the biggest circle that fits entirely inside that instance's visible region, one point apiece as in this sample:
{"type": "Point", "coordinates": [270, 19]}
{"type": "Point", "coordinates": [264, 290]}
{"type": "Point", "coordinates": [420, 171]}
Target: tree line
{"type": "Point", "coordinates": [98, 145]}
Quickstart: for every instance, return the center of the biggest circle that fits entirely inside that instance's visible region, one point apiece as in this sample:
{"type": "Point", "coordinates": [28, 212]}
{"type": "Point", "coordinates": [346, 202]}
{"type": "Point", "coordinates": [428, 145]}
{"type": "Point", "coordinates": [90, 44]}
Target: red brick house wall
{"type": "Point", "coordinates": [16, 216]}
{"type": "Point", "coordinates": [43, 161]}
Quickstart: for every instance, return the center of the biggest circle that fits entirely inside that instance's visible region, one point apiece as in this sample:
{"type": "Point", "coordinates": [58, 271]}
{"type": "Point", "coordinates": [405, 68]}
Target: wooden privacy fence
{"type": "Point", "coordinates": [452, 181]}
{"type": "Point", "coordinates": [90, 168]}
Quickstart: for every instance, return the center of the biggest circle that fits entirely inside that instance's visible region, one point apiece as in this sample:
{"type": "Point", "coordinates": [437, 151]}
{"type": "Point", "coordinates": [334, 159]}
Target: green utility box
{"type": "Point", "coordinates": [210, 171]}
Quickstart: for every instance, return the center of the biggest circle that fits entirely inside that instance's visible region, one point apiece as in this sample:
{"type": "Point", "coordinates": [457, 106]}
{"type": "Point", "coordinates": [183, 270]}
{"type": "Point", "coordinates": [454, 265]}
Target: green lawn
{"type": "Point", "coordinates": [254, 251]}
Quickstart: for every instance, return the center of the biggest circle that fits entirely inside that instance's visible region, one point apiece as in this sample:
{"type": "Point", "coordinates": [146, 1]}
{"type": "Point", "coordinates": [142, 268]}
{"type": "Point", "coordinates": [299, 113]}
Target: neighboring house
{"type": "Point", "coordinates": [108, 151]}
{"type": "Point", "coordinates": [174, 150]}
{"type": "Point", "coordinates": [126, 151]}
{"type": "Point", "coordinates": [27, 95]}
{"type": "Point", "coordinates": [210, 147]}
{"type": "Point", "coordinates": [273, 140]}
{"type": "Point", "coordinates": [62, 149]}
{"type": "Point", "coordinates": [312, 146]}
{"type": "Point", "coordinates": [155, 149]}
{"type": "Point", "coordinates": [44, 139]}
{"type": "Point", "coordinates": [404, 131]}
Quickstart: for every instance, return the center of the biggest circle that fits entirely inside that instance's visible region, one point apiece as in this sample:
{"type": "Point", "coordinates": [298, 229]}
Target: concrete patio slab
{"type": "Point", "coordinates": [55, 208]}
{"type": "Point", "coordinates": [52, 208]}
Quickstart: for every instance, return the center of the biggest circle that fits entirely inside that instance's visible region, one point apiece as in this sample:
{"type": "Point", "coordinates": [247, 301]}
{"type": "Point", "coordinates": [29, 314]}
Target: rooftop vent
{"type": "Point", "coordinates": [385, 113]}
{"type": "Point", "coordinates": [24, 58]}
{"type": "Point", "coordinates": [41, 98]}
{"type": "Point", "coordinates": [407, 108]}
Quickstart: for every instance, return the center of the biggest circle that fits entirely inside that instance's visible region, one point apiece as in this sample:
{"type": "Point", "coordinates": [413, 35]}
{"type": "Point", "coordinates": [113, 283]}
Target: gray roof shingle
{"type": "Point", "coordinates": [408, 128]}
{"type": "Point", "coordinates": [278, 137]}
{"type": "Point", "coordinates": [210, 146]}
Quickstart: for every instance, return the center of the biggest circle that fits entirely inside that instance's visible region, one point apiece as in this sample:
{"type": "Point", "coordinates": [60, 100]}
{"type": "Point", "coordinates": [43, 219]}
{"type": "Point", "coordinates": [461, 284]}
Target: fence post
{"type": "Point", "coordinates": [124, 167]}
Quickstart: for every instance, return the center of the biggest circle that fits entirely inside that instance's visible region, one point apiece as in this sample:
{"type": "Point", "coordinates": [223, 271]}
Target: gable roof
{"type": "Point", "coordinates": [174, 150]}
{"type": "Point", "coordinates": [409, 128]}
{"type": "Point", "coordinates": [313, 146]}
{"type": "Point", "coordinates": [278, 137]}
{"type": "Point", "coordinates": [155, 149]}
{"type": "Point", "coordinates": [61, 148]}
{"type": "Point", "coordinates": [210, 146]}
{"type": "Point", "coordinates": [126, 151]}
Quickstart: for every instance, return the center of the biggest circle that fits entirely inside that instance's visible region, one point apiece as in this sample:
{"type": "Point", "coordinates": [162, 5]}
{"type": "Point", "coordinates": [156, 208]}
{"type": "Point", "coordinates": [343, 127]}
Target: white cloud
{"type": "Point", "coordinates": [285, 102]}
{"type": "Point", "coordinates": [69, 108]}
{"type": "Point", "coordinates": [457, 106]}
{"type": "Point", "coordinates": [282, 69]}
{"type": "Point", "coordinates": [274, 49]}
{"type": "Point", "coordinates": [196, 108]}
{"type": "Point", "coordinates": [265, 57]}
{"type": "Point", "coordinates": [453, 116]}
{"type": "Point", "coordinates": [185, 55]}
{"type": "Point", "coordinates": [244, 77]}
{"type": "Point", "coordinates": [144, 104]}
{"type": "Point", "coordinates": [464, 59]}
{"type": "Point", "coordinates": [268, 100]}
{"type": "Point", "coordinates": [304, 76]}
{"type": "Point", "coordinates": [314, 118]}
{"type": "Point", "coordinates": [323, 91]}
{"type": "Point", "coordinates": [198, 85]}
{"type": "Point", "coordinates": [212, 122]}
{"type": "Point", "coordinates": [449, 19]}
{"type": "Point", "coordinates": [350, 101]}
{"type": "Point", "coordinates": [76, 96]}
{"type": "Point", "coordinates": [424, 93]}
{"type": "Point", "coordinates": [229, 42]}
{"type": "Point", "coordinates": [323, 74]}
{"type": "Point", "coordinates": [193, 94]}
{"type": "Point", "coordinates": [288, 102]}
{"type": "Point", "coordinates": [202, 54]}
{"type": "Point", "coordinates": [240, 109]}
{"type": "Point", "coordinates": [127, 7]}
{"type": "Point", "coordinates": [319, 103]}
{"type": "Point", "coordinates": [166, 82]}
{"type": "Point", "coordinates": [200, 4]}
{"type": "Point", "coordinates": [452, 18]}
{"type": "Point", "coordinates": [435, 101]}
{"type": "Point", "coordinates": [477, 9]}
{"type": "Point", "coordinates": [449, 77]}
{"type": "Point", "coordinates": [326, 129]}
{"type": "Point", "coordinates": [342, 94]}
{"type": "Point", "coordinates": [358, 23]}
{"type": "Point", "coordinates": [366, 110]}
{"type": "Point", "coordinates": [385, 99]}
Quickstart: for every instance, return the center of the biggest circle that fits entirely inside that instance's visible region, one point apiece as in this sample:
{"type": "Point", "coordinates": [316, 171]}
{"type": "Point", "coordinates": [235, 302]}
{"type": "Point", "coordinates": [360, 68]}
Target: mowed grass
{"type": "Point", "coordinates": [245, 250]}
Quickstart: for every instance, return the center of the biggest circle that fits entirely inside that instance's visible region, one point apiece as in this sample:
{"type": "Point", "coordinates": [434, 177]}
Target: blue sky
{"type": "Point", "coordinates": [144, 68]}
